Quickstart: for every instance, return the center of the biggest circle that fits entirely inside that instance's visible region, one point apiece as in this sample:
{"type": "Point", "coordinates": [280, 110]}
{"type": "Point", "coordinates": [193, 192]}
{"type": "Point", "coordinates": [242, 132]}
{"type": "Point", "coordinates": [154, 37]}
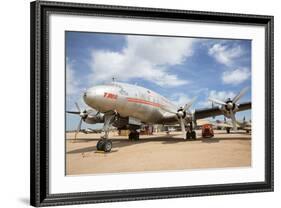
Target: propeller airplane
{"type": "Point", "coordinates": [127, 106]}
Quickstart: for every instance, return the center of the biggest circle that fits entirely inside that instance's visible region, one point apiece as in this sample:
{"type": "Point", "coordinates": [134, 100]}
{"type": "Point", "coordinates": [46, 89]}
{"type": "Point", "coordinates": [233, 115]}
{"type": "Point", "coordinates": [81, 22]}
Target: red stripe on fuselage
{"type": "Point", "coordinates": [136, 100]}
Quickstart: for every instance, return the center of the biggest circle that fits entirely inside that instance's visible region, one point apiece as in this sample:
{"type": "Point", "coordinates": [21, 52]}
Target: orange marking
{"type": "Point", "coordinates": [146, 102]}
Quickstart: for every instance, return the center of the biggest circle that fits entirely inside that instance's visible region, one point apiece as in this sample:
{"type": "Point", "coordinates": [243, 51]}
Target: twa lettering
{"type": "Point", "coordinates": [110, 95]}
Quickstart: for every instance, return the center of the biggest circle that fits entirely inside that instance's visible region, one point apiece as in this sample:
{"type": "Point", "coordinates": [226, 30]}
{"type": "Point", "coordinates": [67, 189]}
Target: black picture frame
{"type": "Point", "coordinates": [39, 177]}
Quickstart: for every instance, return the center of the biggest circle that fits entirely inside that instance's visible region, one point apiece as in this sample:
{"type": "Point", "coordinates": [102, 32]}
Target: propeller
{"type": "Point", "coordinates": [231, 106]}
{"type": "Point", "coordinates": [83, 115]}
{"type": "Point", "coordinates": [181, 114]}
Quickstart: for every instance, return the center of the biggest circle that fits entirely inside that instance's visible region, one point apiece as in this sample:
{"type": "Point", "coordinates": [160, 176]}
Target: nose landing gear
{"type": "Point", "coordinates": [104, 144]}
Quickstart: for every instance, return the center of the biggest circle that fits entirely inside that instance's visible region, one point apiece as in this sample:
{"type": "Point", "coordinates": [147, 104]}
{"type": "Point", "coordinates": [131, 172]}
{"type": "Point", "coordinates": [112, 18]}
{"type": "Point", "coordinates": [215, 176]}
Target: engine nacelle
{"type": "Point", "coordinates": [93, 119]}
{"type": "Point", "coordinates": [226, 109]}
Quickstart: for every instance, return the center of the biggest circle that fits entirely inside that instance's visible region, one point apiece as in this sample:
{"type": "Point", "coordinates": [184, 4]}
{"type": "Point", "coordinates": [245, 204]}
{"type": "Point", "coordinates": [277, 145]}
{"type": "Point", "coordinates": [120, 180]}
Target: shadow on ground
{"type": "Point", "coordinates": [123, 142]}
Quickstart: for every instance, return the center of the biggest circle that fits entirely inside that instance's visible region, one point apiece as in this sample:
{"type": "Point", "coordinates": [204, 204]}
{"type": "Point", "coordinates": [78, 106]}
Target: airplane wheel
{"type": "Point", "coordinates": [134, 136]}
{"type": "Point", "coordinates": [228, 130]}
{"type": "Point", "coordinates": [188, 135]}
{"type": "Point", "coordinates": [131, 136]}
{"type": "Point", "coordinates": [193, 135]}
{"type": "Point", "coordinates": [100, 144]}
{"type": "Point", "coordinates": [107, 146]}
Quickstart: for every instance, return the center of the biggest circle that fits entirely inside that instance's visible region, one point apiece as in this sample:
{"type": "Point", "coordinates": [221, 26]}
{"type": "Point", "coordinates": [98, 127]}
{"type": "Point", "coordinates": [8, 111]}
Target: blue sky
{"type": "Point", "coordinates": [178, 68]}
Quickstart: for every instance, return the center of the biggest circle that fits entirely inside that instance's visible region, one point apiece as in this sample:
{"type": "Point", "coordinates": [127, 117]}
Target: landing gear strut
{"type": "Point", "coordinates": [104, 144]}
{"type": "Point", "coordinates": [190, 134]}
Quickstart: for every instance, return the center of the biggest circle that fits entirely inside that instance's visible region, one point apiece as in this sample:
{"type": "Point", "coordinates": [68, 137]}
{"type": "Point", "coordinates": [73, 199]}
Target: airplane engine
{"type": "Point", "coordinates": [88, 116]}
{"type": "Point", "coordinates": [93, 118]}
{"type": "Point", "coordinates": [230, 106]}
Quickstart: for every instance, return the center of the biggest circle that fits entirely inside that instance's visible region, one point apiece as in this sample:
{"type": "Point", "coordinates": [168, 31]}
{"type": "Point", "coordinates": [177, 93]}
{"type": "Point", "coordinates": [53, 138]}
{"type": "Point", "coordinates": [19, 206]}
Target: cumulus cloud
{"type": "Point", "coordinates": [145, 57]}
{"type": "Point", "coordinates": [236, 76]}
{"type": "Point", "coordinates": [220, 95]}
{"type": "Point", "coordinates": [180, 99]}
{"type": "Point", "coordinates": [225, 54]}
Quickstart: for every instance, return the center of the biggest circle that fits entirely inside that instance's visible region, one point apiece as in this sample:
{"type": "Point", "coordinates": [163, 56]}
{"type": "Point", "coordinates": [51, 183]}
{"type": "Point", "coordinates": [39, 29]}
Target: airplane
{"type": "Point", "coordinates": [243, 125]}
{"type": "Point", "coordinates": [127, 106]}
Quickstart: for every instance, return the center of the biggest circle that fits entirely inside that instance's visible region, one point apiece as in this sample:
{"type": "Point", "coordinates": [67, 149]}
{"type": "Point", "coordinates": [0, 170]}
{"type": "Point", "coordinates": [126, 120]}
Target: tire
{"type": "Point", "coordinates": [107, 146]}
{"type": "Point", "coordinates": [228, 130]}
{"type": "Point", "coordinates": [100, 144]}
{"type": "Point", "coordinates": [188, 135]}
{"type": "Point", "coordinates": [134, 136]}
{"type": "Point", "coordinates": [193, 135]}
{"type": "Point", "coordinates": [131, 136]}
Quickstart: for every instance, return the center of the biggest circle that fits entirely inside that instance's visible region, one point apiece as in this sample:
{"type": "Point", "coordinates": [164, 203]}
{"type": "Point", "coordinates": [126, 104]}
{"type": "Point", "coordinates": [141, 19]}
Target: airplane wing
{"type": "Point", "coordinates": [216, 111]}
{"type": "Point", "coordinates": [202, 122]}
{"type": "Point", "coordinates": [224, 125]}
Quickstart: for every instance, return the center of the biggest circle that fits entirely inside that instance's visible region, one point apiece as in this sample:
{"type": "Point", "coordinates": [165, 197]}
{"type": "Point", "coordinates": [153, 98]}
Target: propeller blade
{"type": "Point", "coordinates": [78, 128]}
{"type": "Point", "coordinates": [217, 101]}
{"type": "Point", "coordinates": [233, 119]}
{"type": "Point", "coordinates": [182, 127]}
{"type": "Point", "coordinates": [77, 106]}
{"type": "Point", "coordinates": [189, 104]}
{"type": "Point", "coordinates": [73, 112]}
{"type": "Point", "coordinates": [240, 94]}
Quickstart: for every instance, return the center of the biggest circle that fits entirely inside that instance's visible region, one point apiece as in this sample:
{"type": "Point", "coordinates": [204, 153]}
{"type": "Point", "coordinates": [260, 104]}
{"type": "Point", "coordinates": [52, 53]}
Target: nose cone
{"type": "Point", "coordinates": [96, 98]}
{"type": "Point", "coordinates": [91, 96]}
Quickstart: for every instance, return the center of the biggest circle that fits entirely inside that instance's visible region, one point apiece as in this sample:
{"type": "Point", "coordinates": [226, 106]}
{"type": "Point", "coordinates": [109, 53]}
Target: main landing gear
{"type": "Point", "coordinates": [104, 144]}
{"type": "Point", "coordinates": [190, 134]}
{"type": "Point", "coordinates": [134, 135]}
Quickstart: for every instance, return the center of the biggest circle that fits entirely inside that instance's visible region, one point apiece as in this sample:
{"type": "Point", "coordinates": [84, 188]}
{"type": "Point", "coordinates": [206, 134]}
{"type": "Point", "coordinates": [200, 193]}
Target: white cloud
{"type": "Point", "coordinates": [219, 95]}
{"type": "Point", "coordinates": [180, 99]}
{"type": "Point", "coordinates": [236, 76]}
{"type": "Point", "coordinates": [225, 54]}
{"type": "Point", "coordinates": [72, 85]}
{"type": "Point", "coordinates": [144, 57]}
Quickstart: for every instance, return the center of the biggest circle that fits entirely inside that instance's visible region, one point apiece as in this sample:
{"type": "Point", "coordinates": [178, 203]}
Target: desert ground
{"type": "Point", "coordinates": [157, 152]}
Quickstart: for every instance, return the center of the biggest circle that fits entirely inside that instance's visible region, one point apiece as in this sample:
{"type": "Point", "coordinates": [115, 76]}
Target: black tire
{"type": "Point", "coordinates": [134, 136]}
{"type": "Point", "coordinates": [100, 144]}
{"type": "Point", "coordinates": [228, 130]}
{"type": "Point", "coordinates": [188, 135]}
{"type": "Point", "coordinates": [193, 135]}
{"type": "Point", "coordinates": [131, 136]}
{"type": "Point", "coordinates": [107, 146]}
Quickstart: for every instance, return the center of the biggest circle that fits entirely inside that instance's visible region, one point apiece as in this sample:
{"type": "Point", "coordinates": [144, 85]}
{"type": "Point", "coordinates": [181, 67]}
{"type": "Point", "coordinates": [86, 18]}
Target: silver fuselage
{"type": "Point", "coordinates": [131, 101]}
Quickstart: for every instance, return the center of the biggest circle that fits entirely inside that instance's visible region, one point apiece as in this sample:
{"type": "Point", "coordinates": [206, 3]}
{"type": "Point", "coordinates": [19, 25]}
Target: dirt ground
{"type": "Point", "coordinates": [156, 153]}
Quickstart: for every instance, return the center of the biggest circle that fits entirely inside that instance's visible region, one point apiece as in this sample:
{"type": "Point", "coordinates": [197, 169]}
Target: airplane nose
{"type": "Point", "coordinates": [90, 96]}
{"type": "Point", "coordinates": [84, 96]}
{"type": "Point", "coordinates": [87, 96]}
